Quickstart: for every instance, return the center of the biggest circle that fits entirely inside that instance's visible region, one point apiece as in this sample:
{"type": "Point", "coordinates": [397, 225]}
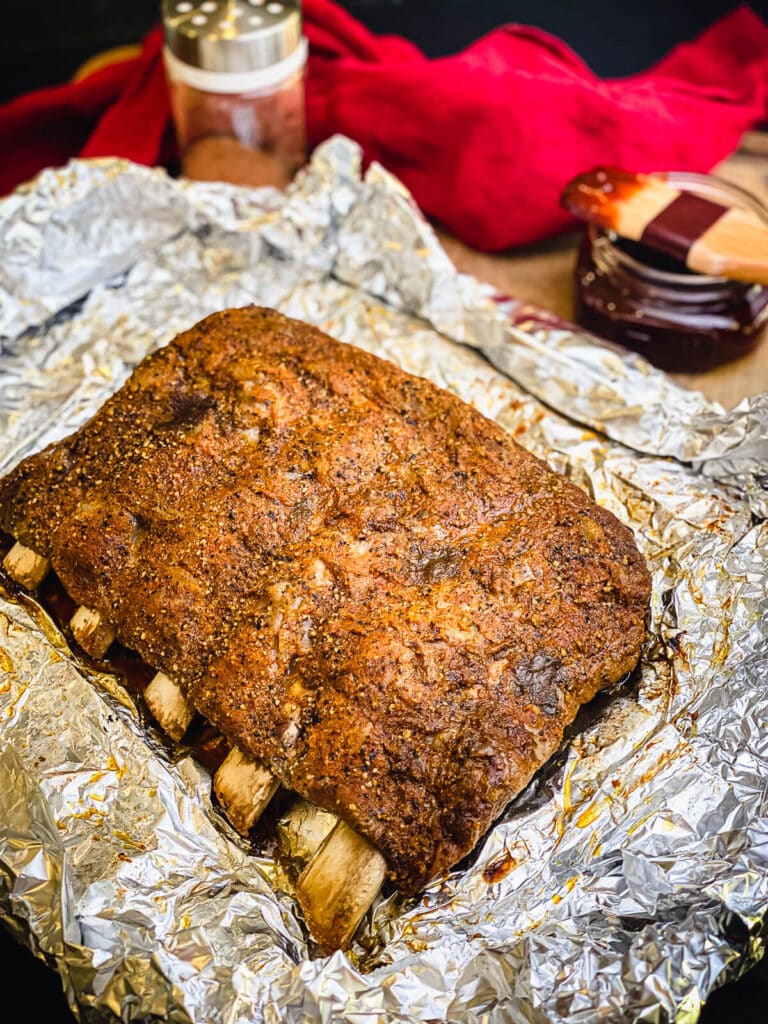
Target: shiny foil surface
{"type": "Point", "coordinates": [627, 881]}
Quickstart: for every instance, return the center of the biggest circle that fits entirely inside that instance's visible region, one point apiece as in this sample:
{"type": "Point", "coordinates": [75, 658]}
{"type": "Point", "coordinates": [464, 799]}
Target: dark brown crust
{"type": "Point", "coordinates": [361, 580]}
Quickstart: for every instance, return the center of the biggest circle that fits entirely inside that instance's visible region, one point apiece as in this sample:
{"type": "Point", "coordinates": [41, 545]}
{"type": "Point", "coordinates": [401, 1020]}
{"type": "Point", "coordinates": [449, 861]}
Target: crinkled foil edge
{"type": "Point", "coordinates": [626, 882]}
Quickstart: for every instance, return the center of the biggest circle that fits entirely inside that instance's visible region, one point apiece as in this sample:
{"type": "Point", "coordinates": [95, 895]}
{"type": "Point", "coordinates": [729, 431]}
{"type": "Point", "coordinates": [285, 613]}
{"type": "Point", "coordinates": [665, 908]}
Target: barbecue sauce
{"type": "Point", "coordinates": [688, 326]}
{"type": "Point", "coordinates": [597, 196]}
{"type": "Point", "coordinates": [650, 302]}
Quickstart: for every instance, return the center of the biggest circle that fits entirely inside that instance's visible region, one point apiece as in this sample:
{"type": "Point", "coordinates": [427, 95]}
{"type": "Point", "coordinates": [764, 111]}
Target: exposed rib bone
{"type": "Point", "coordinates": [25, 566]}
{"type": "Point", "coordinates": [303, 828]}
{"type": "Point", "coordinates": [338, 885]}
{"type": "Point", "coordinates": [92, 631]}
{"type": "Point", "coordinates": [169, 706]}
{"type": "Point", "coordinates": [345, 873]}
{"type": "Point", "coordinates": [244, 788]}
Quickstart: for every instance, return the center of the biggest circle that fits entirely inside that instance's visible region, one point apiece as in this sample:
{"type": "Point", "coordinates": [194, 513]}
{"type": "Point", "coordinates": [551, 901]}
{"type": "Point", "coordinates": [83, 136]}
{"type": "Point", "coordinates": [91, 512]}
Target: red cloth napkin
{"type": "Point", "coordinates": [484, 139]}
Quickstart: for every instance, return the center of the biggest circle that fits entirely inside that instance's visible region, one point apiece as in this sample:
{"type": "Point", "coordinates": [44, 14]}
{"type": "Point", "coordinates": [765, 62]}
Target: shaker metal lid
{"type": "Point", "coordinates": [232, 36]}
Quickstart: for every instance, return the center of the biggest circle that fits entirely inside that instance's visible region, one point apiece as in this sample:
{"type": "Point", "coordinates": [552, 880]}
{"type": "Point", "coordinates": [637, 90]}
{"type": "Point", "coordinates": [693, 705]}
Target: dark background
{"type": "Point", "coordinates": [44, 43]}
{"type": "Point", "coordinates": [31, 993]}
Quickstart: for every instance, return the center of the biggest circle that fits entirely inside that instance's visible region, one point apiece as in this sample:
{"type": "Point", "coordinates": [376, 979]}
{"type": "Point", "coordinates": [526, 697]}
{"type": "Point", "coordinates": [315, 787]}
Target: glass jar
{"type": "Point", "coordinates": [677, 319]}
{"type": "Point", "coordinates": [235, 71]}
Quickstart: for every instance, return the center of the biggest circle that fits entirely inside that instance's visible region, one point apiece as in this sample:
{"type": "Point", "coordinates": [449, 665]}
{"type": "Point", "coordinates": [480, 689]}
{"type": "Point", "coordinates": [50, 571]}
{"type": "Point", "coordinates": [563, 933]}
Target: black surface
{"type": "Point", "coordinates": [43, 43]}
{"type": "Point", "coordinates": [32, 992]}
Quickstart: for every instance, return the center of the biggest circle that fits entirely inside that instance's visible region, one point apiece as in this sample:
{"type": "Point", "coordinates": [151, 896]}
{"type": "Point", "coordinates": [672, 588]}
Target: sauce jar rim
{"type": "Point", "coordinates": [708, 186]}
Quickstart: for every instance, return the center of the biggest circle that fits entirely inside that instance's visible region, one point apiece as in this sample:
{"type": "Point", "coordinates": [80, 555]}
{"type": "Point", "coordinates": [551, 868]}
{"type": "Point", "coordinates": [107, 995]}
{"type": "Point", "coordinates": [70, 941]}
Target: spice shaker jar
{"type": "Point", "coordinates": [235, 71]}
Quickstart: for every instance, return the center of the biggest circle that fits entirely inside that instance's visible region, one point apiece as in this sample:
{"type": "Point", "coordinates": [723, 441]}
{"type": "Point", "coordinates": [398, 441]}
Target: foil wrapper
{"type": "Point", "coordinates": [631, 876]}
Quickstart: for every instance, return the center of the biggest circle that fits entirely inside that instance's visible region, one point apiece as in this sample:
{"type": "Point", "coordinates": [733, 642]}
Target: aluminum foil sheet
{"type": "Point", "coordinates": [625, 883]}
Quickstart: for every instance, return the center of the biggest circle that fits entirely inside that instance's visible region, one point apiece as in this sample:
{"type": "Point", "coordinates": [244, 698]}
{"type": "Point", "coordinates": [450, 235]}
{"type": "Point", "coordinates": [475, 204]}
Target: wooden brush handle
{"type": "Point", "coordinates": [708, 237]}
{"type": "Point", "coordinates": [736, 246]}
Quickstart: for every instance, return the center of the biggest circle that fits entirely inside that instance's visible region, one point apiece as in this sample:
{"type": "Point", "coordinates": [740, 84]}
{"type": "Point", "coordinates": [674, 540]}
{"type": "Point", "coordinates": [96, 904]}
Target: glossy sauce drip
{"type": "Point", "coordinates": [596, 195]}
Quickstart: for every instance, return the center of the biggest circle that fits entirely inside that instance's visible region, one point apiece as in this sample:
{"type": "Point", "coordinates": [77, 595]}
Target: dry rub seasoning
{"type": "Point", "coordinates": [236, 77]}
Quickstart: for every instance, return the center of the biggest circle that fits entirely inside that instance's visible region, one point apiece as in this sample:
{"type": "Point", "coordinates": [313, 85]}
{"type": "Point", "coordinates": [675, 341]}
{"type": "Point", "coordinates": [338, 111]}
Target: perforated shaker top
{"type": "Point", "coordinates": [232, 36]}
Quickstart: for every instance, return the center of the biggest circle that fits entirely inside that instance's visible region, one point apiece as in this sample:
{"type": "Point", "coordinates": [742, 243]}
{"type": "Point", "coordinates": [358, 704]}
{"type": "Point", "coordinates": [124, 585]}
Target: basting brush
{"type": "Point", "coordinates": [707, 237]}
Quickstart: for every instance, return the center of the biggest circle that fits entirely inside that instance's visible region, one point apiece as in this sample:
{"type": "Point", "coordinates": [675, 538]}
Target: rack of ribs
{"type": "Point", "coordinates": [383, 603]}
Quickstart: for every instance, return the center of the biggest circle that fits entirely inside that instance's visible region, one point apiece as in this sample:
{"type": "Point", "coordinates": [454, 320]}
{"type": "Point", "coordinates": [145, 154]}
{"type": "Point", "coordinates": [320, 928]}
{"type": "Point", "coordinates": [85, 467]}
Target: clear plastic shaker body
{"type": "Point", "coordinates": [239, 109]}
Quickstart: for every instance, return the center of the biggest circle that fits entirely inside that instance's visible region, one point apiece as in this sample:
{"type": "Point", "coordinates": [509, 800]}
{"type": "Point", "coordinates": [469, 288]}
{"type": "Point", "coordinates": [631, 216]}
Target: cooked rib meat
{"type": "Point", "coordinates": [359, 579]}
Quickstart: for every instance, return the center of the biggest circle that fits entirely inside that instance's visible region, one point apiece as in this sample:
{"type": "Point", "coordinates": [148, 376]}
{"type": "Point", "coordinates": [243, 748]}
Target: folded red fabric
{"type": "Point", "coordinates": [484, 139]}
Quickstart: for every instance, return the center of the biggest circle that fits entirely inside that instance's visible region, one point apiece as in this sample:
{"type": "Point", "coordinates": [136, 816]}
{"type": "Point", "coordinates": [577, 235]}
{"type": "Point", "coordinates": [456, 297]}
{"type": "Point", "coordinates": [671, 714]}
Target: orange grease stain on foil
{"type": "Point", "coordinates": [592, 812]}
{"type": "Point", "coordinates": [499, 868]}
{"type": "Point", "coordinates": [569, 887]}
